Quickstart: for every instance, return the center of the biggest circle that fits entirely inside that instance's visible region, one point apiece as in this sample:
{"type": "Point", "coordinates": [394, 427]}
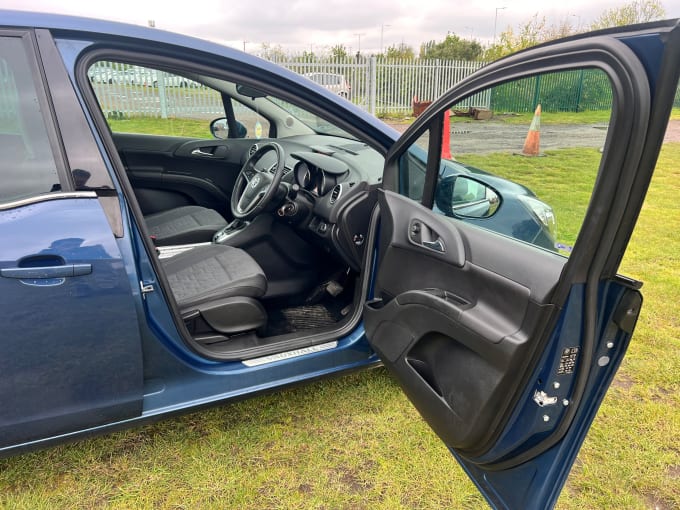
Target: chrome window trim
{"type": "Point", "coordinates": [45, 198]}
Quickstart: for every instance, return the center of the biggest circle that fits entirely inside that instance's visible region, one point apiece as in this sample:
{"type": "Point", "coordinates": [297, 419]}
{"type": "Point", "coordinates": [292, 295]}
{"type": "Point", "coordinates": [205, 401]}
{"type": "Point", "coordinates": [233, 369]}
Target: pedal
{"type": "Point", "coordinates": [334, 288]}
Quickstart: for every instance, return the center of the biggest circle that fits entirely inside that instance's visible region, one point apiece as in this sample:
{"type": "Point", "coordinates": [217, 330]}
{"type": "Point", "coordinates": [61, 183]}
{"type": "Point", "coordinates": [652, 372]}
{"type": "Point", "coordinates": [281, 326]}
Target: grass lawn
{"type": "Point", "coordinates": [587, 117]}
{"type": "Point", "coordinates": [356, 442]}
{"type": "Point", "coordinates": [563, 178]}
{"type": "Point", "coordinates": [196, 128]}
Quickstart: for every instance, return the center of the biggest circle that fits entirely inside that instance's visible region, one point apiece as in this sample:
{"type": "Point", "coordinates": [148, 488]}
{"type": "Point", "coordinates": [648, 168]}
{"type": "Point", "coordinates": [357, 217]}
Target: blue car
{"type": "Point", "coordinates": [148, 269]}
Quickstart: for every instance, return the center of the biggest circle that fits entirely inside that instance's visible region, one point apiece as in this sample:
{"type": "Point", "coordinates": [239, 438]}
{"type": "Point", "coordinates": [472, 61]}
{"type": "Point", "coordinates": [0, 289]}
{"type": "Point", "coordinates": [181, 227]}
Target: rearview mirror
{"type": "Point", "coordinates": [250, 92]}
{"type": "Point", "coordinates": [462, 196]}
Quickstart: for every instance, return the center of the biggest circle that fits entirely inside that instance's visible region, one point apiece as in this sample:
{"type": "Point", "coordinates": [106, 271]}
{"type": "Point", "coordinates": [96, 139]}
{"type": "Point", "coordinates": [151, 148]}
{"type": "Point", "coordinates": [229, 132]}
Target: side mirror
{"type": "Point", "coordinates": [220, 129]}
{"type": "Point", "coordinates": [465, 197]}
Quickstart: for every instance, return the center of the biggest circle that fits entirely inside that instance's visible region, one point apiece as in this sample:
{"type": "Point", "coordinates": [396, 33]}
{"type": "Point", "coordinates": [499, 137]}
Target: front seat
{"type": "Point", "coordinates": [184, 225]}
{"type": "Point", "coordinates": [218, 285]}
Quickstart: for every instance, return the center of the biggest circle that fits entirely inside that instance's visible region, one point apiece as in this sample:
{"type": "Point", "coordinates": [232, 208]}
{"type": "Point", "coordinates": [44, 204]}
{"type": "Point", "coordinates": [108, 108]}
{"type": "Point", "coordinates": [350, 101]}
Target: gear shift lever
{"type": "Point", "coordinates": [228, 231]}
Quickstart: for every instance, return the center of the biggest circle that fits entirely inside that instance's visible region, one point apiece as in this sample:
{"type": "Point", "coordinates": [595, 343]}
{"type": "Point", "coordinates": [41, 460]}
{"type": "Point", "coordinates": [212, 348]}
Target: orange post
{"type": "Point", "coordinates": [533, 140]}
{"type": "Point", "coordinates": [446, 136]}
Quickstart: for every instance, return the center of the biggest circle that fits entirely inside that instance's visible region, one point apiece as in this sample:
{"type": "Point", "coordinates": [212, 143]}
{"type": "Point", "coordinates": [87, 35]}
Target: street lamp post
{"type": "Point", "coordinates": [359, 36]}
{"type": "Point", "coordinates": [495, 23]}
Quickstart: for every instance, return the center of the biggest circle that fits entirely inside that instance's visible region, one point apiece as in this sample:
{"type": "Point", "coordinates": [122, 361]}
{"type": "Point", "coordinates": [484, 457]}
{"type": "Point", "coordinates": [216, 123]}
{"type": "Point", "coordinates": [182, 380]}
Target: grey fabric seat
{"type": "Point", "coordinates": [219, 283]}
{"type": "Point", "coordinates": [184, 225]}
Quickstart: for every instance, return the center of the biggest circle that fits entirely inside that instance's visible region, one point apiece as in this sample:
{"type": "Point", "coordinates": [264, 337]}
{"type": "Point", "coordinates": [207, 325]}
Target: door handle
{"type": "Point", "coordinates": [421, 234]}
{"type": "Point", "coordinates": [201, 152]}
{"type": "Point", "coordinates": [436, 245]}
{"type": "Point", "coordinates": [63, 271]}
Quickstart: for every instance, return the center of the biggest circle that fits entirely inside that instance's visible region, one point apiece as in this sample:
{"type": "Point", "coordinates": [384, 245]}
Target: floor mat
{"type": "Point", "coordinates": [290, 320]}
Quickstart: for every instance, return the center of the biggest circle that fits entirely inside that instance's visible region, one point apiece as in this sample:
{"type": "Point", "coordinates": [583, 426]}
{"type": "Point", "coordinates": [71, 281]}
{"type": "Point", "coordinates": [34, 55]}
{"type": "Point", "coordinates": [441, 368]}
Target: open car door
{"type": "Point", "coordinates": [505, 345]}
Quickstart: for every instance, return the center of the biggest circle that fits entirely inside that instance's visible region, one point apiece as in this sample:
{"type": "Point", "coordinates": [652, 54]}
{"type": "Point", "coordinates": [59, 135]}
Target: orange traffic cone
{"type": "Point", "coordinates": [446, 136]}
{"type": "Point", "coordinates": [532, 142]}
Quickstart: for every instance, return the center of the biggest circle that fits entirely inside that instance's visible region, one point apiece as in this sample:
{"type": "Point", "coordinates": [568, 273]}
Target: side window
{"type": "Point", "coordinates": [143, 100]}
{"type": "Point", "coordinates": [27, 165]}
{"type": "Point", "coordinates": [521, 158]}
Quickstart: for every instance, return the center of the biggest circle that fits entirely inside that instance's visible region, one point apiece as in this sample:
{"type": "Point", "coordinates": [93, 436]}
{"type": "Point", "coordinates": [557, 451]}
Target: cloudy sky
{"type": "Point", "coordinates": [298, 25]}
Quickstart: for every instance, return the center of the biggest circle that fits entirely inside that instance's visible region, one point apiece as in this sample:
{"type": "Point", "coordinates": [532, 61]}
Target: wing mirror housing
{"type": "Point", "coordinates": [465, 197]}
{"type": "Point", "coordinates": [220, 129]}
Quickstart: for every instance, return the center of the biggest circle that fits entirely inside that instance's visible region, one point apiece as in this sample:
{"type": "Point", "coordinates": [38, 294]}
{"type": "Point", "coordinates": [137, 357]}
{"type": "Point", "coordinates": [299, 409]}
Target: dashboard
{"type": "Point", "coordinates": [313, 179]}
{"type": "Point", "coordinates": [331, 183]}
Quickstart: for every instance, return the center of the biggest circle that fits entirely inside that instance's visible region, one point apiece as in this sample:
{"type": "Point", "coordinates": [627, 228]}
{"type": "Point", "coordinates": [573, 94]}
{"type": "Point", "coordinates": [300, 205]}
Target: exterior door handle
{"type": "Point", "coordinates": [32, 273]}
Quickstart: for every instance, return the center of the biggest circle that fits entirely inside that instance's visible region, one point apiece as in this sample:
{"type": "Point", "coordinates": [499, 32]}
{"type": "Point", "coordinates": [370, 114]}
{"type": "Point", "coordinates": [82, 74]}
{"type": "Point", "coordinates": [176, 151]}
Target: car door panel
{"type": "Point", "coordinates": [168, 172]}
{"type": "Point", "coordinates": [509, 355]}
{"type": "Point", "coordinates": [433, 311]}
{"type": "Point", "coordinates": [73, 368]}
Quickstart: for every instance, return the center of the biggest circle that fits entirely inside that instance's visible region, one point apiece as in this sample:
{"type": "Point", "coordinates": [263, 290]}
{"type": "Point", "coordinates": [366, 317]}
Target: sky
{"type": "Point", "coordinates": [317, 25]}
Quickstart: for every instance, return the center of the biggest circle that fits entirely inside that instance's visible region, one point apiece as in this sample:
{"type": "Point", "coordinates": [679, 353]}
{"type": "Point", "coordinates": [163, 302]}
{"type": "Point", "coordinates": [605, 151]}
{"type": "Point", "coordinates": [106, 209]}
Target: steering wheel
{"type": "Point", "coordinates": [256, 187]}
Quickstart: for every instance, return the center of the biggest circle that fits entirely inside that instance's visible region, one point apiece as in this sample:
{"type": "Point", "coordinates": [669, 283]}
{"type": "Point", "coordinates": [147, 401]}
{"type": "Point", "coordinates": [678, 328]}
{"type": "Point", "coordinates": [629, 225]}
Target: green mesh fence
{"type": "Point", "coordinates": [567, 91]}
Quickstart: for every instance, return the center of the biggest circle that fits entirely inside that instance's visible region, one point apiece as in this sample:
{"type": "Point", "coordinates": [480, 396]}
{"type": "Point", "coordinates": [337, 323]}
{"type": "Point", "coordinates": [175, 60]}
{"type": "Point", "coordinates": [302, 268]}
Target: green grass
{"type": "Point", "coordinates": [155, 126]}
{"type": "Point", "coordinates": [357, 443]}
{"type": "Point", "coordinates": [588, 117]}
{"type": "Point", "coordinates": [563, 178]}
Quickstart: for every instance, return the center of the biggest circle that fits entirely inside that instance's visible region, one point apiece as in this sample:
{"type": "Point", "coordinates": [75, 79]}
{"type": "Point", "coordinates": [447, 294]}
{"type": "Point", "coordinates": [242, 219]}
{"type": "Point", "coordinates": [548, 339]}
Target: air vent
{"type": "Point", "coordinates": [252, 150]}
{"type": "Point", "coordinates": [335, 193]}
{"type": "Point", "coordinates": [286, 170]}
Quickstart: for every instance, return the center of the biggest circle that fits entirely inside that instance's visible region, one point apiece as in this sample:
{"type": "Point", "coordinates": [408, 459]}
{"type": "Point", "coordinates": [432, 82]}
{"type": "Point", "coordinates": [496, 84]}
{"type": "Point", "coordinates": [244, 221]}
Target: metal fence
{"type": "Point", "coordinates": [567, 91]}
{"type": "Point", "coordinates": [9, 100]}
{"type": "Point", "coordinates": [389, 86]}
{"type": "Point", "coordinates": [376, 85]}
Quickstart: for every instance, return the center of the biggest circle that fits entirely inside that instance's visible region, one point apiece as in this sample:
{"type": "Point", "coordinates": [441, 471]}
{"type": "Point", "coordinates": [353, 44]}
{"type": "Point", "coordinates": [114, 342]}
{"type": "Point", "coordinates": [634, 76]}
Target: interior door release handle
{"type": "Point", "coordinates": [436, 245]}
{"type": "Point", "coordinates": [201, 152]}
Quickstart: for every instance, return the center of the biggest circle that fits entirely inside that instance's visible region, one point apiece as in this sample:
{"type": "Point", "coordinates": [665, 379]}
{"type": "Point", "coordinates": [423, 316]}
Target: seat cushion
{"type": "Point", "coordinates": [184, 225]}
{"type": "Point", "coordinates": [212, 272]}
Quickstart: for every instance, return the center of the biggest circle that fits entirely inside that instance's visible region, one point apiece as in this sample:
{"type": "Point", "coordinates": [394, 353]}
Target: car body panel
{"type": "Point", "coordinates": [55, 379]}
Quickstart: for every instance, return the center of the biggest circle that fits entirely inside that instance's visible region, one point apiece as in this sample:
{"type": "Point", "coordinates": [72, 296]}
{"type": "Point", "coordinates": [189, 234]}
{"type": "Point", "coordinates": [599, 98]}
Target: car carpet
{"type": "Point", "coordinates": [289, 320]}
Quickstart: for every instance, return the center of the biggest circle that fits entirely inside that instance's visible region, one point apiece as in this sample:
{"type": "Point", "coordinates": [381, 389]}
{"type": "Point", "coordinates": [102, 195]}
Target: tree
{"type": "Point", "coordinates": [400, 51]}
{"type": "Point", "coordinates": [306, 56]}
{"type": "Point", "coordinates": [451, 48]}
{"type": "Point", "coordinates": [536, 30]}
{"type": "Point", "coordinates": [271, 52]}
{"type": "Point", "coordinates": [637, 11]}
{"type": "Point", "coordinates": [339, 52]}
{"type": "Point", "coordinates": [533, 32]}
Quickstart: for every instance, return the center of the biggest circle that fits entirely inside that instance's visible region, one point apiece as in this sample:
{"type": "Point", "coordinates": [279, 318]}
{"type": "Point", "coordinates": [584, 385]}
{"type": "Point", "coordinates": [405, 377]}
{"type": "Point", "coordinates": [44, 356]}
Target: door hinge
{"type": "Point", "coordinates": [146, 287]}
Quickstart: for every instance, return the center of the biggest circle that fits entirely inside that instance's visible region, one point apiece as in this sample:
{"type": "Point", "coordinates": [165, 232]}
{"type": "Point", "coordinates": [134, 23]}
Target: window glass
{"type": "Point", "coordinates": [27, 164]}
{"type": "Point", "coordinates": [136, 99]}
{"type": "Point", "coordinates": [521, 159]}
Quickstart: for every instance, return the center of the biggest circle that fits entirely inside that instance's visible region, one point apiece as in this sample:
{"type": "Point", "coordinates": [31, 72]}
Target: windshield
{"type": "Point", "coordinates": [316, 123]}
